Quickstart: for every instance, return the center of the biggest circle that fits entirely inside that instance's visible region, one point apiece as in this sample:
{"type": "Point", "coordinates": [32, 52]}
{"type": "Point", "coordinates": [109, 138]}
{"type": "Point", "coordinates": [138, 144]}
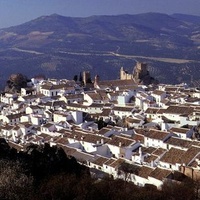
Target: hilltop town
{"type": "Point", "coordinates": [108, 125]}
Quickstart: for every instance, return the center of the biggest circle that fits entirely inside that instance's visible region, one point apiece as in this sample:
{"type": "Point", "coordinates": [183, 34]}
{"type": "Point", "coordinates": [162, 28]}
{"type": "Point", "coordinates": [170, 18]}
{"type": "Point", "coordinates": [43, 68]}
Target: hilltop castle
{"type": "Point", "coordinates": [140, 74]}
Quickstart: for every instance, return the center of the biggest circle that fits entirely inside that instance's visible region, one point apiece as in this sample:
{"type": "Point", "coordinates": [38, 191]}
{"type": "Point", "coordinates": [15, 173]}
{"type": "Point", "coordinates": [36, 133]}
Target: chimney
{"type": "Point", "coordinates": [140, 154]}
{"type": "Point", "coordinates": [183, 168]}
{"type": "Point", "coordinates": [82, 137]}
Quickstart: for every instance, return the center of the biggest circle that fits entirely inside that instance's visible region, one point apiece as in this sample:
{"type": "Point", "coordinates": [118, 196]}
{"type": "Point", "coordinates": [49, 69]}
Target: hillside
{"type": "Point", "coordinates": [61, 47]}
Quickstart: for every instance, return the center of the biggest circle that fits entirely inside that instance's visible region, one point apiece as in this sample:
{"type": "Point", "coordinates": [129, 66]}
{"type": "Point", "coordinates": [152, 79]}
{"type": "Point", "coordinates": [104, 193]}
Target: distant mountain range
{"type": "Point", "coordinates": [61, 47]}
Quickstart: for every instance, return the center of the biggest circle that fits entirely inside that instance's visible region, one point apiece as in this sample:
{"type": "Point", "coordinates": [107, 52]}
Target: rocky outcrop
{"type": "Point", "coordinates": [15, 82]}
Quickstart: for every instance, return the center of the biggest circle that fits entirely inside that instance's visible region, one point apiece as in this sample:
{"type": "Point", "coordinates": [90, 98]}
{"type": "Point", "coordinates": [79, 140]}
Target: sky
{"type": "Point", "coordinates": [15, 12]}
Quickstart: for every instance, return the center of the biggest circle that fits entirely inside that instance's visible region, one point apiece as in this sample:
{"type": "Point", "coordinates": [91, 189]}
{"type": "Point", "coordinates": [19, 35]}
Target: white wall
{"type": "Point", "coordinates": [77, 116]}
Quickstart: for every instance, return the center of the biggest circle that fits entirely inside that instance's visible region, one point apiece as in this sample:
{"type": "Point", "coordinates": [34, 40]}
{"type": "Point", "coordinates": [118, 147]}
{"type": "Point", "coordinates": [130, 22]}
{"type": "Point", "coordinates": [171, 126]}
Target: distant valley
{"type": "Point", "coordinates": [61, 47]}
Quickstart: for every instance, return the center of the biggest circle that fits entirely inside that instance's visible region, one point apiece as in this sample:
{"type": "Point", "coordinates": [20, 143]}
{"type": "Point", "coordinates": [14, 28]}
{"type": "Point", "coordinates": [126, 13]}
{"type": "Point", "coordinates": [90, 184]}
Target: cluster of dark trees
{"type": "Point", "coordinates": [15, 82]}
{"type": "Point", "coordinates": [44, 172]}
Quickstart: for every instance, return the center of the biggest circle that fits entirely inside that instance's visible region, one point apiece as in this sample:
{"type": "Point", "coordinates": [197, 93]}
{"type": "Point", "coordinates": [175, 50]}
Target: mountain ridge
{"type": "Point", "coordinates": [55, 44]}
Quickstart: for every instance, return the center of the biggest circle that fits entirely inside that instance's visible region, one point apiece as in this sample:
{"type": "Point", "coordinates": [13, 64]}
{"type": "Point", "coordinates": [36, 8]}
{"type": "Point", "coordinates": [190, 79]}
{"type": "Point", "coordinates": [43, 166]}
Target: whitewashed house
{"type": "Point", "coordinates": [122, 147]}
{"type": "Point", "coordinates": [174, 112]}
{"type": "Point", "coordinates": [34, 109]}
{"type": "Point", "coordinates": [50, 90]}
{"type": "Point", "coordinates": [183, 133]}
{"type": "Point", "coordinates": [156, 138]}
{"type": "Point", "coordinates": [71, 98]}
{"type": "Point", "coordinates": [158, 176]}
{"type": "Point", "coordinates": [159, 95]}
{"type": "Point", "coordinates": [172, 159]}
{"type": "Point", "coordinates": [123, 111]}
{"type": "Point", "coordinates": [141, 177]}
{"type": "Point", "coordinates": [16, 133]}
{"type": "Point", "coordinates": [11, 119]}
{"type": "Point", "coordinates": [95, 108]}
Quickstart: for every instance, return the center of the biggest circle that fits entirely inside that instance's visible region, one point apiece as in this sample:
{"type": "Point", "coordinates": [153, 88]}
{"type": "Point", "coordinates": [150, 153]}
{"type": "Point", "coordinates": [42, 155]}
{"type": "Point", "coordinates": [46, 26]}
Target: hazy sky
{"type": "Point", "coordinates": [14, 12]}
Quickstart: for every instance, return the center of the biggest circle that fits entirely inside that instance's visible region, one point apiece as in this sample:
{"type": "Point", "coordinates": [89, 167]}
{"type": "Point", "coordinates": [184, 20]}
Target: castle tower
{"type": "Point", "coordinates": [124, 75]}
{"type": "Point", "coordinates": [86, 77]}
{"type": "Point", "coordinates": [96, 82]}
{"type": "Point", "coordinates": [140, 71]}
{"type": "Point", "coordinates": [142, 67]}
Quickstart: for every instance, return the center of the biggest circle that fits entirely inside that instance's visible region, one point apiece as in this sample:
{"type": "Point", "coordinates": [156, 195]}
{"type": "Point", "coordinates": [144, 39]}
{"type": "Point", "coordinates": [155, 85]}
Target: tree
{"type": "Point", "coordinates": [80, 78]}
{"type": "Point", "coordinates": [101, 123]}
{"type": "Point", "coordinates": [75, 78]}
{"type": "Point", "coordinates": [14, 183]}
{"type": "Point", "coordinates": [178, 191]}
{"type": "Point", "coordinates": [125, 170]}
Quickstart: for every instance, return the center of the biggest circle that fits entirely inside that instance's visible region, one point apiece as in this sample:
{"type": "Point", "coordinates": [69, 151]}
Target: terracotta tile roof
{"type": "Point", "coordinates": [158, 92]}
{"type": "Point", "coordinates": [148, 150]}
{"type": "Point", "coordinates": [140, 131]}
{"type": "Point", "coordinates": [133, 120]}
{"type": "Point", "coordinates": [108, 105]}
{"type": "Point", "coordinates": [115, 83]}
{"type": "Point", "coordinates": [74, 96]}
{"type": "Point", "coordinates": [6, 127]}
{"type": "Point", "coordinates": [150, 158]}
{"type": "Point", "coordinates": [123, 108]}
{"type": "Point", "coordinates": [94, 96]}
{"type": "Point", "coordinates": [25, 124]}
{"type": "Point", "coordinates": [159, 152]}
{"type": "Point", "coordinates": [48, 125]}
{"type": "Point", "coordinates": [82, 156]}
{"type": "Point", "coordinates": [62, 140]}
{"type": "Point", "coordinates": [179, 110]}
{"type": "Point", "coordinates": [116, 163]}
{"type": "Point", "coordinates": [138, 137]}
{"type": "Point", "coordinates": [96, 105]}
{"type": "Point", "coordinates": [196, 143]}
{"type": "Point", "coordinates": [14, 116]}
{"type": "Point", "coordinates": [106, 112]}
{"type": "Point", "coordinates": [144, 171]}
{"type": "Point", "coordinates": [50, 86]}
{"type": "Point", "coordinates": [179, 130]}
{"type": "Point", "coordinates": [156, 134]}
{"type": "Point", "coordinates": [16, 128]}
{"type": "Point", "coordinates": [175, 141]}
{"type": "Point", "coordinates": [103, 131]}
{"type": "Point", "coordinates": [110, 161]}
{"type": "Point", "coordinates": [190, 154]}
{"type": "Point", "coordinates": [80, 135]}
{"type": "Point", "coordinates": [68, 150]}
{"type": "Point", "coordinates": [171, 88]}
{"type": "Point", "coordinates": [173, 156]}
{"type": "Point", "coordinates": [76, 105]}
{"type": "Point", "coordinates": [120, 141]}
{"type": "Point", "coordinates": [160, 173]}
{"type": "Point", "coordinates": [100, 160]}
{"type": "Point", "coordinates": [152, 110]}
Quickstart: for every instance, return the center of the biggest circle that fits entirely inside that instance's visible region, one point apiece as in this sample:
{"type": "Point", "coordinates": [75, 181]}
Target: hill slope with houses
{"type": "Point", "coordinates": [138, 133]}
